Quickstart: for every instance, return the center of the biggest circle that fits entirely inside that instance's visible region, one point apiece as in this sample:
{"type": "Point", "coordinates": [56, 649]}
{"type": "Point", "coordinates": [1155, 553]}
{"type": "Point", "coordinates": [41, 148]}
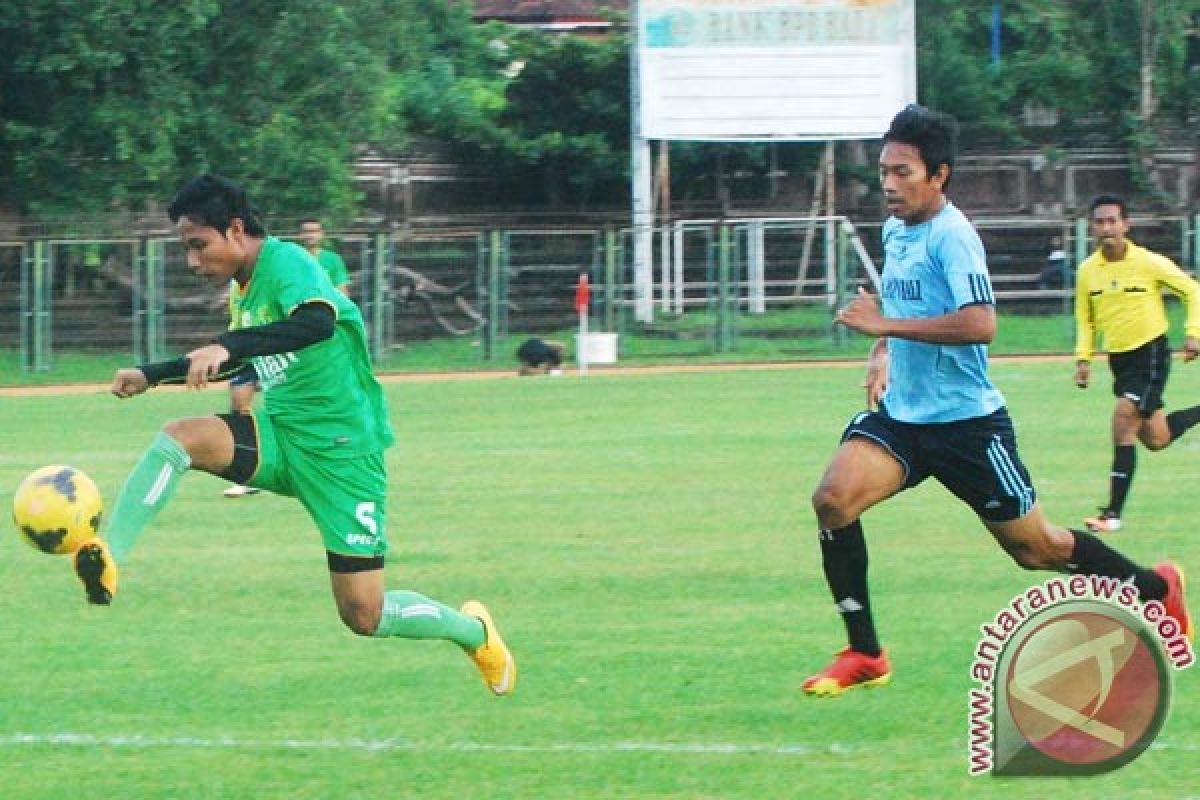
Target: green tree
{"type": "Point", "coordinates": [91, 99]}
{"type": "Point", "coordinates": [111, 104]}
{"type": "Point", "coordinates": [954, 69]}
{"type": "Point", "coordinates": [545, 117]}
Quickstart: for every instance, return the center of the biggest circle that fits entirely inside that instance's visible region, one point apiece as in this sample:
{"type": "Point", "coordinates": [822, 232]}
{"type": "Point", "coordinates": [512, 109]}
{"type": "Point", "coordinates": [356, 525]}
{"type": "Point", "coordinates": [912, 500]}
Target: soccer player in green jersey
{"type": "Point", "coordinates": [244, 385]}
{"type": "Point", "coordinates": [312, 236]}
{"type": "Point", "coordinates": [320, 435]}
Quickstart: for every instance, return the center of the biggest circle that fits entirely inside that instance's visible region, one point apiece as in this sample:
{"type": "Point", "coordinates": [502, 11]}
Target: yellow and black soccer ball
{"type": "Point", "coordinates": [57, 508]}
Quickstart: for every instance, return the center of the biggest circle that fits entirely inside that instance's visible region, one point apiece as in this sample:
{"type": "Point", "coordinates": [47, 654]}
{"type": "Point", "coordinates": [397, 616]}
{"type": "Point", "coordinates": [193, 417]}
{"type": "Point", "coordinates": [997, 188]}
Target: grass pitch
{"type": "Point", "coordinates": [646, 544]}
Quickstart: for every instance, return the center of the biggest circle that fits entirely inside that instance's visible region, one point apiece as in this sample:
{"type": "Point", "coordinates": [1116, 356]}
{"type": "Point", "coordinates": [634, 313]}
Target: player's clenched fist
{"type": "Point", "coordinates": [129, 382]}
{"type": "Point", "coordinates": [863, 314]}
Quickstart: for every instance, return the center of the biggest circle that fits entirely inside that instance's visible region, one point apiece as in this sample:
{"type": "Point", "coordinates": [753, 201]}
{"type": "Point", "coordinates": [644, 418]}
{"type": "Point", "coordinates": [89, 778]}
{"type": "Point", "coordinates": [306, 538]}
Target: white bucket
{"type": "Point", "coordinates": [596, 348]}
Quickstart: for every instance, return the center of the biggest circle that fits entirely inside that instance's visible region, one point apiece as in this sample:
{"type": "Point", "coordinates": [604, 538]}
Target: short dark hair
{"type": "Point", "coordinates": [214, 201]}
{"type": "Point", "coordinates": [1109, 200]}
{"type": "Point", "coordinates": [934, 134]}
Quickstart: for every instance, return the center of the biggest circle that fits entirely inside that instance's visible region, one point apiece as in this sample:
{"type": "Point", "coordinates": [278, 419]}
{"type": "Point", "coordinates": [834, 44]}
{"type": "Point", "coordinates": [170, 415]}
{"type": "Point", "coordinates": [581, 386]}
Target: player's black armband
{"type": "Point", "coordinates": [175, 371]}
{"type": "Point", "coordinates": [307, 325]}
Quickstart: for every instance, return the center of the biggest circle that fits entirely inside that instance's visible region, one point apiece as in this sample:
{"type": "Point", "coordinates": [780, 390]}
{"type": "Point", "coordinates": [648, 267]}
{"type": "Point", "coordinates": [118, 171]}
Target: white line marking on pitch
{"type": "Point", "coordinates": [402, 745]}
{"type": "Point", "coordinates": [377, 745]}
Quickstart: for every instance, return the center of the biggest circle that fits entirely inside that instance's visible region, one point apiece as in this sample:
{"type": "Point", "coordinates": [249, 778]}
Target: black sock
{"type": "Point", "coordinates": [844, 556]}
{"type": "Point", "coordinates": [1090, 556]}
{"type": "Point", "coordinates": [1180, 422]}
{"type": "Point", "coordinates": [1121, 478]}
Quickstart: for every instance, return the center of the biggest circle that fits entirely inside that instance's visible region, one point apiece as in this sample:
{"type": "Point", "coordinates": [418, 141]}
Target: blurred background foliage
{"type": "Point", "coordinates": [107, 106]}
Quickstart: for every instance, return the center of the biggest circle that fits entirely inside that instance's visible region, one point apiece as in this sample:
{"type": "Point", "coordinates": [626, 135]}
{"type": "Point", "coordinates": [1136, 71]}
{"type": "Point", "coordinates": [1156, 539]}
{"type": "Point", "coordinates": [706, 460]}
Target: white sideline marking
{"type": "Point", "coordinates": [404, 745]}
{"type": "Point", "coordinates": [377, 745]}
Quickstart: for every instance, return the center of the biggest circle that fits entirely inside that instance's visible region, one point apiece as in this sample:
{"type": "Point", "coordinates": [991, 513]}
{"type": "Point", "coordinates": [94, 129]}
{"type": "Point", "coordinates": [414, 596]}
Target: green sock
{"type": "Point", "coordinates": [414, 616]}
{"type": "Point", "coordinates": [146, 491]}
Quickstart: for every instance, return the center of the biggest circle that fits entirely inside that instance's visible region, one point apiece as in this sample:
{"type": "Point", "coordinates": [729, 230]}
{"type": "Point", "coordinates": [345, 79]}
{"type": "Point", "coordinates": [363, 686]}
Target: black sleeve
{"type": "Point", "coordinates": [307, 325]}
{"type": "Point", "coordinates": [175, 371]}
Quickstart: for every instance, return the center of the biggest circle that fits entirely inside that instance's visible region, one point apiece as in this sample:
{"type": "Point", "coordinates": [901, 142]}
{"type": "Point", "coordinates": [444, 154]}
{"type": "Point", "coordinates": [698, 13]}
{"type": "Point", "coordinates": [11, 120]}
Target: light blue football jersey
{"type": "Point", "coordinates": [930, 270]}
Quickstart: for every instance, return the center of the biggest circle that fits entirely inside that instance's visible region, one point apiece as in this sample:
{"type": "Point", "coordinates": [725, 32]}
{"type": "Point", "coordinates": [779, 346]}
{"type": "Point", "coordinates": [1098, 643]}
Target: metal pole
{"type": "Point", "coordinates": [482, 293]}
{"type": "Point", "coordinates": [136, 312]}
{"type": "Point", "coordinates": [1195, 264]}
{"type": "Point", "coordinates": [1081, 252]}
{"type": "Point", "coordinates": [493, 284]}
{"type": "Point", "coordinates": [643, 198]}
{"type": "Point", "coordinates": [379, 276]}
{"type": "Point", "coordinates": [41, 311]}
{"type": "Point", "coordinates": [664, 217]}
{"type": "Point", "coordinates": [677, 255]}
{"type": "Point", "coordinates": [1081, 240]}
{"type": "Point", "coordinates": [159, 311]}
{"type": "Point", "coordinates": [150, 300]}
{"type": "Point", "coordinates": [844, 277]}
{"type": "Point", "coordinates": [26, 317]}
{"type": "Point", "coordinates": [46, 313]}
{"type": "Point", "coordinates": [611, 277]}
{"type": "Point", "coordinates": [504, 275]}
{"type": "Point", "coordinates": [1185, 242]}
{"type": "Point", "coordinates": [392, 242]}
{"type": "Point", "coordinates": [756, 289]}
{"type": "Point", "coordinates": [643, 232]}
{"type": "Point", "coordinates": [831, 276]}
{"type": "Point", "coordinates": [724, 325]}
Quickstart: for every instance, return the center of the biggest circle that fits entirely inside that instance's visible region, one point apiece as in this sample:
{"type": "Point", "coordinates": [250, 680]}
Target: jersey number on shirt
{"type": "Point", "coordinates": [365, 513]}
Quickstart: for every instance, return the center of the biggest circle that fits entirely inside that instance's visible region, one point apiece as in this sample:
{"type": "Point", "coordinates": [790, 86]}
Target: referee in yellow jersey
{"type": "Point", "coordinates": [1118, 293]}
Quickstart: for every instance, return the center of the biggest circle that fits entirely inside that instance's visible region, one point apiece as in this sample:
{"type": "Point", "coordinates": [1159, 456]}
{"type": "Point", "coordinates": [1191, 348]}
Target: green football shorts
{"type": "Point", "coordinates": [346, 497]}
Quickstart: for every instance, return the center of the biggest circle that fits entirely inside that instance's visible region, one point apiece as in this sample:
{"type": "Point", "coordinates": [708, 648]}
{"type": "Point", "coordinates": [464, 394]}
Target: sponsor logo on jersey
{"type": "Point", "coordinates": [903, 289]}
{"type": "Point", "coordinates": [272, 370]}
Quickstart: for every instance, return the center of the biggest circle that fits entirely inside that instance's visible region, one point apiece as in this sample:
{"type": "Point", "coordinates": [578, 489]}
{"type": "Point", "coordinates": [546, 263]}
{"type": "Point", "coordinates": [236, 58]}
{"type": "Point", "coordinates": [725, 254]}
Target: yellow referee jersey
{"type": "Point", "coordinates": [1123, 300]}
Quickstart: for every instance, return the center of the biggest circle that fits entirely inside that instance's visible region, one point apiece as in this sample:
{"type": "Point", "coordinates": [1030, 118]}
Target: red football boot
{"type": "Point", "coordinates": [850, 669]}
{"type": "Point", "coordinates": [1174, 602]}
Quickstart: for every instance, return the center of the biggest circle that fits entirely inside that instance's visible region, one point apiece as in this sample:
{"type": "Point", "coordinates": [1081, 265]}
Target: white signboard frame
{"type": "Point", "coordinates": [755, 70]}
{"type": "Point", "coordinates": [760, 70]}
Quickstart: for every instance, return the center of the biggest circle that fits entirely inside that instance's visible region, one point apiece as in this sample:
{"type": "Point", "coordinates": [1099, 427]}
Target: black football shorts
{"type": "Point", "coordinates": [1140, 375]}
{"type": "Point", "coordinates": [976, 459]}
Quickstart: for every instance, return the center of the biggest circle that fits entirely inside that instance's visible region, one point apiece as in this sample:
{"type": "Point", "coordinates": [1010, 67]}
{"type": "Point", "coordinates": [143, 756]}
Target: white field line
{"type": "Point", "coordinates": [87, 740]}
{"type": "Point", "coordinates": [135, 741]}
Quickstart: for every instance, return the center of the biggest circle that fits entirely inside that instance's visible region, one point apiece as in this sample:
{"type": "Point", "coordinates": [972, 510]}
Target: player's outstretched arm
{"type": "Point", "coordinates": [136, 380]}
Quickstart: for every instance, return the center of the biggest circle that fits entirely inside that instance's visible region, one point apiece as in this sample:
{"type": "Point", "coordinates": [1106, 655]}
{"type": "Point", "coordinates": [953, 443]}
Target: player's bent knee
{"type": "Point", "coordinates": [827, 498]}
{"type": "Point", "coordinates": [178, 429]}
{"type": "Point", "coordinates": [833, 506]}
{"type": "Point", "coordinates": [193, 434]}
{"type": "Point", "coordinates": [1030, 560]}
{"type": "Point", "coordinates": [1155, 443]}
{"type": "Point", "coordinates": [361, 618]}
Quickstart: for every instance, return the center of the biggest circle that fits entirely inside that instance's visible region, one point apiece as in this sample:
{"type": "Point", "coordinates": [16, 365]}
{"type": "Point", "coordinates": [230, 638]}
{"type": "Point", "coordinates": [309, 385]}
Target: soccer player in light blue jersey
{"type": "Point", "coordinates": [934, 411]}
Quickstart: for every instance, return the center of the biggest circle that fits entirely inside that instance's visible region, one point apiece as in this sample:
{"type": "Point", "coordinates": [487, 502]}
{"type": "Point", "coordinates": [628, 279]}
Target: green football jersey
{"type": "Point", "coordinates": [323, 398]}
{"type": "Point", "coordinates": [334, 267]}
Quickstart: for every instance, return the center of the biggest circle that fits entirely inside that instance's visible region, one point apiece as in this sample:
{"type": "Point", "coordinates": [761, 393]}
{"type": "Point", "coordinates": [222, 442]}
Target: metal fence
{"type": "Point", "coordinates": [717, 279]}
